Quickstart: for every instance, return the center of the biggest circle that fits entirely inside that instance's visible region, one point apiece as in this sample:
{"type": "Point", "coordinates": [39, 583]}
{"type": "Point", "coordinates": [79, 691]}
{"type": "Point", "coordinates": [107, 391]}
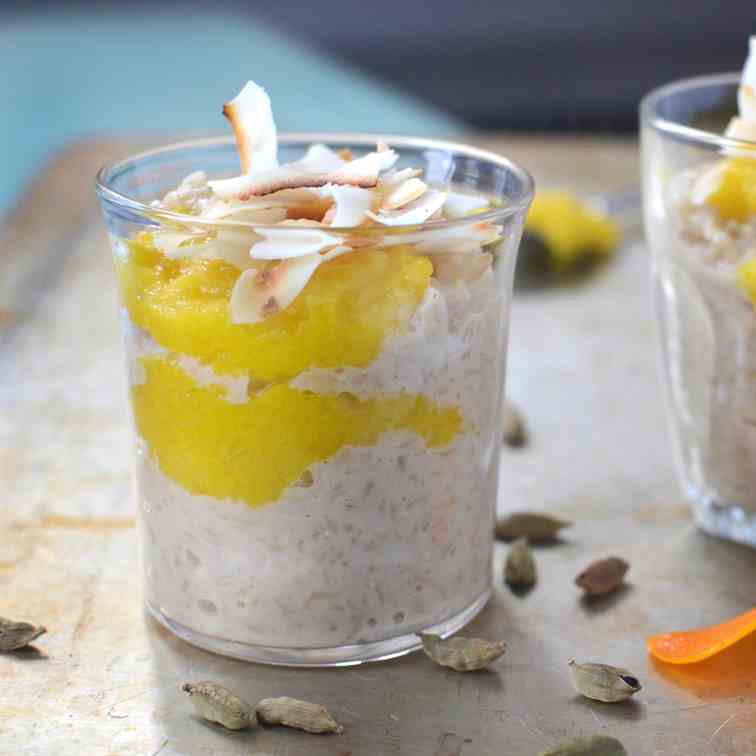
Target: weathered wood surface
{"type": "Point", "coordinates": [107, 681]}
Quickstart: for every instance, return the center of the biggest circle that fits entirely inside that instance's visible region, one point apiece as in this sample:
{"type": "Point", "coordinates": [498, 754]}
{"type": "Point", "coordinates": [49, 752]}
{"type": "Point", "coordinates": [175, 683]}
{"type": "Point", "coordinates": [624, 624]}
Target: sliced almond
{"type": "Point", "coordinates": [251, 118]}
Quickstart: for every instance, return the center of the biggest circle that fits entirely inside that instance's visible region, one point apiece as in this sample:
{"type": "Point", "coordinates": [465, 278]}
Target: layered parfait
{"type": "Point", "coordinates": [316, 364]}
{"type": "Point", "coordinates": [707, 275]}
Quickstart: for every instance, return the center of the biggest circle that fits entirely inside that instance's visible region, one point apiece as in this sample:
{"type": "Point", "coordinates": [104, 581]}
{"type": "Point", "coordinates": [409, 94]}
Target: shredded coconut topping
{"type": "Point", "coordinates": [303, 199]}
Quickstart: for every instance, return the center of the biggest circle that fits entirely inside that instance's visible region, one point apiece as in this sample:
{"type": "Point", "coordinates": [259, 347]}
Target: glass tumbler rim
{"type": "Point", "coordinates": [649, 115]}
{"type": "Point", "coordinates": [515, 206]}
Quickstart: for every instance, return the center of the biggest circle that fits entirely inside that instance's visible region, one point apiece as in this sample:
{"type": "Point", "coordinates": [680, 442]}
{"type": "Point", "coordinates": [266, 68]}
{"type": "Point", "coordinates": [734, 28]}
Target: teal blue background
{"type": "Point", "coordinates": [67, 73]}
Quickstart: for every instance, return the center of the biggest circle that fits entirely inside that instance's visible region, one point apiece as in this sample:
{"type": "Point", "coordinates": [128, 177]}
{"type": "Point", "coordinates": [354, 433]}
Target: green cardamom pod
{"type": "Point", "coordinates": [602, 682]}
{"type": "Point", "coordinates": [15, 635]}
{"type": "Point", "coordinates": [593, 745]}
{"type": "Point", "coordinates": [218, 704]}
{"type": "Point", "coordinates": [461, 654]}
{"type": "Point", "coordinates": [513, 426]}
{"type": "Point", "coordinates": [520, 568]}
{"type": "Point", "coordinates": [534, 526]}
{"type": "Point", "coordinates": [302, 715]}
{"type": "Point", "coordinates": [603, 576]}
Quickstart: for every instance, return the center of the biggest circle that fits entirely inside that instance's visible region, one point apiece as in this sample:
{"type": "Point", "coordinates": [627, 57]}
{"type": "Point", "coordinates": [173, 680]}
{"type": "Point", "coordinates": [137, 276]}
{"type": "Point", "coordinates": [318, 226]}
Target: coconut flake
{"type": "Point", "coordinates": [406, 192]}
{"type": "Point", "coordinates": [286, 242]}
{"type": "Point", "coordinates": [465, 266]}
{"type": "Point", "coordinates": [258, 294]}
{"type": "Point", "coordinates": [413, 213]}
{"type": "Point", "coordinates": [318, 159]}
{"type": "Point", "coordinates": [246, 214]}
{"type": "Point", "coordinates": [740, 128]}
{"type": "Point", "coordinates": [747, 91]}
{"type": "Point", "coordinates": [458, 205]}
{"type": "Point", "coordinates": [362, 172]}
{"type": "Point", "coordinates": [351, 205]}
{"type": "Point", "coordinates": [251, 117]}
{"type": "Point", "coordinates": [392, 178]}
{"type": "Point", "coordinates": [371, 164]}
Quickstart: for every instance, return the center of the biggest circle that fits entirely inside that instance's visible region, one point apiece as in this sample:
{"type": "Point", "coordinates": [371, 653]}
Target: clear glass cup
{"type": "Point", "coordinates": [317, 488]}
{"type": "Point", "coordinates": [707, 321]}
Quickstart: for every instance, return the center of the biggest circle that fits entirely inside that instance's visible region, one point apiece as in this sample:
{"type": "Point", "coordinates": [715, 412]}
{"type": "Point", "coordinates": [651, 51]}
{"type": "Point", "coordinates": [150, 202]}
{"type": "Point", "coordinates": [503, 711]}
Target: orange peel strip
{"type": "Point", "coordinates": [690, 646]}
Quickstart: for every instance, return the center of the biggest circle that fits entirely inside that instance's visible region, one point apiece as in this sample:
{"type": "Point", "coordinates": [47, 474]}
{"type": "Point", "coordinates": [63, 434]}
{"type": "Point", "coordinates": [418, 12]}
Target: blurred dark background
{"type": "Point", "coordinates": [567, 65]}
{"type": "Point", "coordinates": [438, 67]}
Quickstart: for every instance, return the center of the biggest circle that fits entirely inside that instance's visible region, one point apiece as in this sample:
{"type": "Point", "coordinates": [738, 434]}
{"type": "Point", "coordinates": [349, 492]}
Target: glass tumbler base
{"type": "Point", "coordinates": [336, 656]}
{"type": "Point", "coordinates": [723, 519]}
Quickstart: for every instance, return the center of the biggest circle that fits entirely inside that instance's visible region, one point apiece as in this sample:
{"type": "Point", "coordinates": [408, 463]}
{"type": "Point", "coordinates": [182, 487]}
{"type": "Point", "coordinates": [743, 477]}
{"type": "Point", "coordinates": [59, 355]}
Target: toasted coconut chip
{"type": "Point", "coordinates": [318, 159]}
{"type": "Point", "coordinates": [258, 294]}
{"type": "Point", "coordinates": [286, 242]}
{"type": "Point", "coordinates": [251, 117]}
{"type": "Point", "coordinates": [740, 128]}
{"type": "Point", "coordinates": [458, 205]}
{"type": "Point", "coordinates": [371, 164]}
{"type": "Point", "coordinates": [391, 179]}
{"type": "Point", "coordinates": [747, 100]}
{"type": "Point", "coordinates": [247, 214]}
{"type": "Point", "coordinates": [346, 154]}
{"type": "Point", "coordinates": [352, 204]}
{"type": "Point", "coordinates": [465, 266]}
{"type": "Point", "coordinates": [230, 244]}
{"type": "Point", "coordinates": [175, 244]}
{"type": "Point", "coordinates": [707, 182]}
{"type": "Point", "coordinates": [283, 199]}
{"type": "Point", "coordinates": [747, 91]}
{"type": "Point", "coordinates": [403, 194]}
{"type": "Point", "coordinates": [415, 212]}
{"type": "Point", "coordinates": [247, 187]}
{"type": "Point", "coordinates": [361, 172]}
{"type": "Point", "coordinates": [468, 237]}
{"type": "Point", "coordinates": [312, 211]}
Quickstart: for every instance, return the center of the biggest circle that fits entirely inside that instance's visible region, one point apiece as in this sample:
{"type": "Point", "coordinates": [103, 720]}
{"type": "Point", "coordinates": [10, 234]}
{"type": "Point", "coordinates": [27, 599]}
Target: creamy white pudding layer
{"type": "Point", "coordinates": [376, 541]}
{"type": "Point", "coordinates": [711, 338]}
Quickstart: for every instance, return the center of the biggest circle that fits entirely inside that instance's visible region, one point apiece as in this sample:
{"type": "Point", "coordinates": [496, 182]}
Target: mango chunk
{"type": "Point", "coordinates": [735, 195]}
{"type": "Point", "coordinates": [570, 229]}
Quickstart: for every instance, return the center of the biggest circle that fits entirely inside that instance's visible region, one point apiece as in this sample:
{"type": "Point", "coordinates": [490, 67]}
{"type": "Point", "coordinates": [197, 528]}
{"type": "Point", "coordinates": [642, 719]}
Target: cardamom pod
{"type": "Point", "coordinates": [602, 682]}
{"type": "Point", "coordinates": [514, 433]}
{"type": "Point", "coordinates": [593, 745]}
{"type": "Point", "coordinates": [520, 568]}
{"type": "Point", "coordinates": [603, 576]}
{"type": "Point", "coordinates": [218, 704]}
{"type": "Point", "coordinates": [302, 715]}
{"type": "Point", "coordinates": [461, 654]}
{"type": "Point", "coordinates": [534, 526]}
{"type": "Point", "coordinates": [15, 635]}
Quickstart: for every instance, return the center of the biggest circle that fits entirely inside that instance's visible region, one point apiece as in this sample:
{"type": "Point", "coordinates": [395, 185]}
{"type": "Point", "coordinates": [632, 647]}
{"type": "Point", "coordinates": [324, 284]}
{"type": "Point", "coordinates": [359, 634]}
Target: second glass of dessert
{"type": "Point", "coordinates": [700, 207]}
{"type": "Point", "coordinates": [316, 351]}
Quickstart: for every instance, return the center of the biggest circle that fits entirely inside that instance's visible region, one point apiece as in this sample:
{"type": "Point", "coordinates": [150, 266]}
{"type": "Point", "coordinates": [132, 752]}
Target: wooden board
{"type": "Point", "coordinates": [106, 680]}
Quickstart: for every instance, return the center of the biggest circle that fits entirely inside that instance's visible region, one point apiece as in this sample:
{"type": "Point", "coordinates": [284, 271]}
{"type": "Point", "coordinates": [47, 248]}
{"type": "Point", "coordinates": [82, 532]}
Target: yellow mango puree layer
{"type": "Point", "coordinates": [253, 451]}
{"type": "Point", "coordinates": [735, 195]}
{"type": "Point", "coordinates": [340, 319]}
